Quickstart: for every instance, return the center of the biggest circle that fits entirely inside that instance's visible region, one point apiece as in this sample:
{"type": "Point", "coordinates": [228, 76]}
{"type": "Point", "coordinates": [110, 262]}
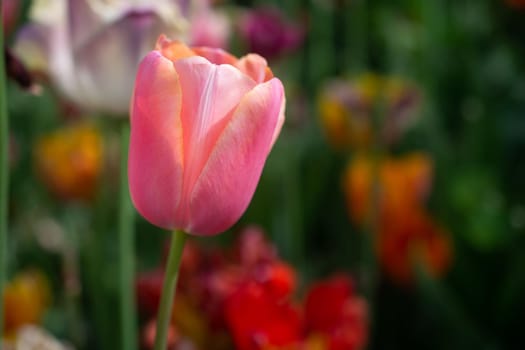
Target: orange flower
{"type": "Point", "coordinates": [403, 184]}
{"type": "Point", "coordinates": [412, 240]}
{"type": "Point", "coordinates": [407, 235]}
{"type": "Point", "coordinates": [69, 161]}
{"type": "Point", "coordinates": [26, 298]}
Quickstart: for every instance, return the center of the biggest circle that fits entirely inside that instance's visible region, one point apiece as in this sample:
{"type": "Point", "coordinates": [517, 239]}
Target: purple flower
{"type": "Point", "coordinates": [267, 33]}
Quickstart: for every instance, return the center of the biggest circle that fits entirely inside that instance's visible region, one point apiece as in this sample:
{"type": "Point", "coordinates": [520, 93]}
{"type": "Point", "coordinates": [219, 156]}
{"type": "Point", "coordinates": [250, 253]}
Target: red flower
{"type": "Point", "coordinates": [325, 301]}
{"type": "Point", "coordinates": [149, 288]}
{"type": "Point", "coordinates": [331, 308]}
{"type": "Point", "coordinates": [257, 320]}
{"type": "Point", "coordinates": [253, 247]}
{"type": "Point", "coordinates": [413, 239]}
{"type": "Point", "coordinates": [516, 3]}
{"type": "Point", "coordinates": [278, 279]}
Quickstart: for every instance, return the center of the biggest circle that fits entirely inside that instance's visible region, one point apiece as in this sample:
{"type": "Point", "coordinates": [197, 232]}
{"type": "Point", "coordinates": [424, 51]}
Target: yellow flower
{"type": "Point", "coordinates": [26, 298]}
{"type": "Point", "coordinates": [69, 161]}
{"type": "Point", "coordinates": [346, 109]}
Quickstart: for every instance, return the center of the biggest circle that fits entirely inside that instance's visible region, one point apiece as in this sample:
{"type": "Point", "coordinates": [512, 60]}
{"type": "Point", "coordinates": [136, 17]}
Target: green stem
{"type": "Point", "coordinates": [356, 23]}
{"type": "Point", "coordinates": [4, 172]}
{"type": "Point", "coordinates": [97, 291]}
{"type": "Point", "coordinates": [371, 268]}
{"type": "Point", "coordinates": [169, 288]}
{"type": "Point", "coordinates": [101, 295]}
{"type": "Point", "coordinates": [70, 276]}
{"type": "Point", "coordinates": [446, 303]}
{"type": "Point", "coordinates": [371, 236]}
{"type": "Point", "coordinates": [128, 324]}
{"type": "Point", "coordinates": [339, 26]}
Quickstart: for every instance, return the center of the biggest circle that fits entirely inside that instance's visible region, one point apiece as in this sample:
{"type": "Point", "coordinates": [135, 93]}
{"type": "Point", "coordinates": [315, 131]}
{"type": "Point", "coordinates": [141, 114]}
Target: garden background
{"type": "Point", "coordinates": [397, 185]}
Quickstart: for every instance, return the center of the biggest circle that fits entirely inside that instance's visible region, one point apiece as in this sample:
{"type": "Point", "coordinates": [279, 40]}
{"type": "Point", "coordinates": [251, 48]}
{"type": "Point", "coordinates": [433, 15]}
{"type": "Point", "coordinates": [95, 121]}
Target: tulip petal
{"type": "Point", "coordinates": [155, 153]}
{"type": "Point", "coordinates": [228, 180]}
{"type": "Point", "coordinates": [211, 94]}
{"type": "Point", "coordinates": [280, 122]}
{"type": "Point", "coordinates": [173, 49]}
{"type": "Point", "coordinates": [214, 55]}
{"type": "Point", "coordinates": [82, 20]}
{"type": "Point", "coordinates": [256, 67]}
{"type": "Point", "coordinates": [32, 46]}
{"type": "Point", "coordinates": [104, 63]}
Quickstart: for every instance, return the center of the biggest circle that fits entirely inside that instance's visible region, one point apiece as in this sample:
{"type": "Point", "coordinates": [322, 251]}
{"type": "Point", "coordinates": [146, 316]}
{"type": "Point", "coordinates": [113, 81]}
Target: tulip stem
{"type": "Point", "coordinates": [128, 324]}
{"type": "Point", "coordinates": [169, 288]}
{"type": "Point", "coordinates": [4, 172]}
{"type": "Point", "coordinates": [371, 272]}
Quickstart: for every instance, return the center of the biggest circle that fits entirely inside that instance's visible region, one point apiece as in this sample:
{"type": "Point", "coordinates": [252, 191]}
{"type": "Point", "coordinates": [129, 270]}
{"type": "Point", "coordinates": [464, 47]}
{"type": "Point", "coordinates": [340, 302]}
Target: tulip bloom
{"type": "Point", "coordinates": [407, 234]}
{"type": "Point", "coordinates": [202, 125]}
{"type": "Point", "coordinates": [69, 161]}
{"type": "Point", "coordinates": [346, 110]}
{"type": "Point", "coordinates": [333, 309]}
{"type": "Point", "coordinates": [413, 239]}
{"type": "Point", "coordinates": [91, 49]}
{"type": "Point", "coordinates": [268, 33]}
{"type": "Point", "coordinates": [405, 184]}
{"type": "Point", "coordinates": [25, 299]}
{"type": "Point", "coordinates": [257, 320]}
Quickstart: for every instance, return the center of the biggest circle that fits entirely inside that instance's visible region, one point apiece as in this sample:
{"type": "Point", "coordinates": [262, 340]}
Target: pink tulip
{"type": "Point", "coordinates": [202, 125]}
